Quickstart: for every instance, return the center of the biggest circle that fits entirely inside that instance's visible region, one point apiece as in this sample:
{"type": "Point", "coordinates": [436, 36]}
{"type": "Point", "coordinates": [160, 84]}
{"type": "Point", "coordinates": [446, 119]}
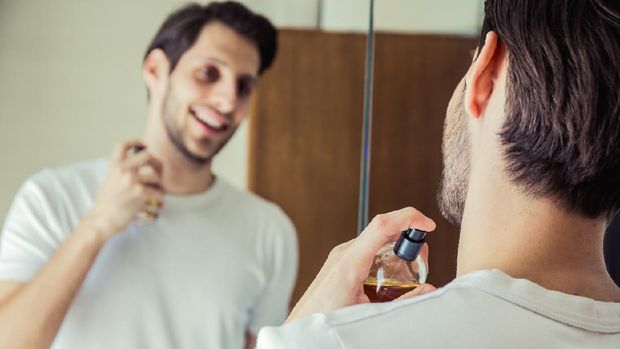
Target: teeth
{"type": "Point", "coordinates": [210, 121]}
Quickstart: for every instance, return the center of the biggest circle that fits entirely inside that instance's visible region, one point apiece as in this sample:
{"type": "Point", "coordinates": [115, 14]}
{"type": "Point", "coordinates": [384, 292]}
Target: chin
{"type": "Point", "coordinates": [203, 152]}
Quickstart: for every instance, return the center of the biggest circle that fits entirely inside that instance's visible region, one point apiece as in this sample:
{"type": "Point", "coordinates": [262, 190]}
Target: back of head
{"type": "Point", "coordinates": [561, 136]}
{"type": "Point", "coordinates": [181, 29]}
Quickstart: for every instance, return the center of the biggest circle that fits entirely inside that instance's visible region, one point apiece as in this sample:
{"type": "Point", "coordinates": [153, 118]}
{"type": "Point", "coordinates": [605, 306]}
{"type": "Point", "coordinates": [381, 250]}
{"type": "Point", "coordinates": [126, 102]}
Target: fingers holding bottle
{"type": "Point", "coordinates": [133, 180]}
{"type": "Point", "coordinates": [340, 281]}
{"type": "Point", "coordinates": [386, 228]}
{"type": "Point", "coordinates": [149, 171]}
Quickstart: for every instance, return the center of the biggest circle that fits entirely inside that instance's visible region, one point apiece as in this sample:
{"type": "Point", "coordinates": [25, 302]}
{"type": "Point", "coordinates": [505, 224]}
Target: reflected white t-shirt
{"type": "Point", "coordinates": [210, 267]}
{"type": "Point", "coordinates": [484, 309]}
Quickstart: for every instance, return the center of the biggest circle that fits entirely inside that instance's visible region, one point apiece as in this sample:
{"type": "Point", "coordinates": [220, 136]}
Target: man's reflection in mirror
{"type": "Point", "coordinates": [214, 264]}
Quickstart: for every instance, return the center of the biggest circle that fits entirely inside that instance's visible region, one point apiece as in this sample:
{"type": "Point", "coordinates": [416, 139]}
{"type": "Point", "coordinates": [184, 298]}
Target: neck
{"type": "Point", "coordinates": [534, 239]}
{"type": "Point", "coordinates": [180, 175]}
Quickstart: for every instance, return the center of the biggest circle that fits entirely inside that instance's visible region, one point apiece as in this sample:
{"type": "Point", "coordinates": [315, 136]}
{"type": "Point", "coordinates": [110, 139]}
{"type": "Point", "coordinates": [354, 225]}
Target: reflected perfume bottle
{"type": "Point", "coordinates": [398, 268]}
{"type": "Point", "coordinates": [150, 211]}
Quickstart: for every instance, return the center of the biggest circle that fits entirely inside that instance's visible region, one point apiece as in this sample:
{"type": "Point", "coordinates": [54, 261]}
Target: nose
{"type": "Point", "coordinates": [223, 96]}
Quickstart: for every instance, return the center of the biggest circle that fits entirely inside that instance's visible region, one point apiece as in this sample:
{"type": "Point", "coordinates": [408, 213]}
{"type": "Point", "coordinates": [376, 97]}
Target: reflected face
{"type": "Point", "coordinates": [208, 92]}
{"type": "Point", "coordinates": [456, 159]}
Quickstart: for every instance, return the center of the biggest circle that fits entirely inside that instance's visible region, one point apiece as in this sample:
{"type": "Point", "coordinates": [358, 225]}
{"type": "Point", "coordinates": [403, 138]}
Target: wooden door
{"type": "Point", "coordinates": [305, 136]}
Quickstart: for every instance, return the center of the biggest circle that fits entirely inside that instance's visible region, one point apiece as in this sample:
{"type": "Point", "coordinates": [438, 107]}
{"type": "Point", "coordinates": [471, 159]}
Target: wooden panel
{"type": "Point", "coordinates": [306, 127]}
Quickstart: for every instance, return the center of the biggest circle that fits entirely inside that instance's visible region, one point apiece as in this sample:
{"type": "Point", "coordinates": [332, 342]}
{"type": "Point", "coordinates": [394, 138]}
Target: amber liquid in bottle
{"type": "Point", "coordinates": [387, 291]}
{"type": "Point", "coordinates": [148, 213]}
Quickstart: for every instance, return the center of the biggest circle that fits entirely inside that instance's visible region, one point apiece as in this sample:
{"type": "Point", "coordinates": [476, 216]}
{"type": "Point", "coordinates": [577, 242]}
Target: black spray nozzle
{"type": "Point", "coordinates": [409, 244]}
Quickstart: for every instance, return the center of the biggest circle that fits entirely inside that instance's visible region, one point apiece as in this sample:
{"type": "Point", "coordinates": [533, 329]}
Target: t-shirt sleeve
{"type": "Point", "coordinates": [28, 238]}
{"type": "Point", "coordinates": [312, 332]}
{"type": "Point", "coordinates": [281, 255]}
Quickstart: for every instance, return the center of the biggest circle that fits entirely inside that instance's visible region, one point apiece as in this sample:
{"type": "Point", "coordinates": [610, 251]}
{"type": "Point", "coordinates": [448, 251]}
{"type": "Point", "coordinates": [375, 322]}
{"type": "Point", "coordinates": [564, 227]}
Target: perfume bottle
{"type": "Point", "coordinates": [150, 211]}
{"type": "Point", "coordinates": [398, 268]}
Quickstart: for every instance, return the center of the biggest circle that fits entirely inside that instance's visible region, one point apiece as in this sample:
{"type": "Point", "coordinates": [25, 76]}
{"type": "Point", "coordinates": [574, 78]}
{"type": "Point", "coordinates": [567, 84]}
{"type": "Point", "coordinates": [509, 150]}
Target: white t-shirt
{"type": "Point", "coordinates": [210, 267]}
{"type": "Point", "coordinates": [483, 309]}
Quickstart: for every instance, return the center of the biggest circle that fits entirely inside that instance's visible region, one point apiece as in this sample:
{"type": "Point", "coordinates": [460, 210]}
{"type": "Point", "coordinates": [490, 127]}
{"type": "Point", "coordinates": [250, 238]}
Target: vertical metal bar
{"type": "Point", "coordinates": [367, 124]}
{"type": "Point", "coordinates": [319, 15]}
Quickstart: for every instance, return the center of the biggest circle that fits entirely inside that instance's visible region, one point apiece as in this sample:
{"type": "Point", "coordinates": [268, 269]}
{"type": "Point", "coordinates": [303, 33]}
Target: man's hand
{"type": "Point", "coordinates": [339, 283]}
{"type": "Point", "coordinates": [250, 340]}
{"type": "Point", "coordinates": [130, 181]}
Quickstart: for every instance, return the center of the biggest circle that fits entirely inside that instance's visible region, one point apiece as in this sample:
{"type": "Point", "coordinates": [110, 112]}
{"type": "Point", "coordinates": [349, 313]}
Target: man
{"type": "Point", "coordinates": [531, 158]}
{"type": "Point", "coordinates": [77, 269]}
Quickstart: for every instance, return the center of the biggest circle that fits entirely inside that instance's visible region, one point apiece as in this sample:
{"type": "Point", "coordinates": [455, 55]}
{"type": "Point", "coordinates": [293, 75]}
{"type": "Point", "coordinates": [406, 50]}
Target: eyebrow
{"type": "Point", "coordinates": [217, 60]}
{"type": "Point", "coordinates": [252, 77]}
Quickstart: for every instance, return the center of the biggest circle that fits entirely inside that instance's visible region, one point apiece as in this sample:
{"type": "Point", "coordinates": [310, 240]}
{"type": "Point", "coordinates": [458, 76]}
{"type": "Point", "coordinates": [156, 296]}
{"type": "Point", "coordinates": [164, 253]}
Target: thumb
{"type": "Point", "coordinates": [423, 289]}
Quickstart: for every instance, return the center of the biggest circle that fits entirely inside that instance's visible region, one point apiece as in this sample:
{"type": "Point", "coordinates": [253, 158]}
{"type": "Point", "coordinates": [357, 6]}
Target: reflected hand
{"type": "Point", "coordinates": [340, 280]}
{"type": "Point", "coordinates": [130, 181]}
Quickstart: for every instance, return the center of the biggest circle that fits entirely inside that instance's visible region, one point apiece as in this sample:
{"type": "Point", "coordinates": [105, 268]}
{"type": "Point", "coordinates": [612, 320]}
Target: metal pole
{"type": "Point", "coordinates": [367, 124]}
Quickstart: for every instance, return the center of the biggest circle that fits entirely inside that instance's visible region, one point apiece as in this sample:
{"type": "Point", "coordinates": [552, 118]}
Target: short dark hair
{"type": "Point", "coordinates": [561, 137]}
{"type": "Point", "coordinates": [181, 29]}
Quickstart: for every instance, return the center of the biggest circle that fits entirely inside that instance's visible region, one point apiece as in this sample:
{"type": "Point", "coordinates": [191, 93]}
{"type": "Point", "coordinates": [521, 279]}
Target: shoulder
{"type": "Point", "coordinates": [57, 187]}
{"type": "Point", "coordinates": [421, 320]}
{"type": "Point", "coordinates": [479, 309]}
{"type": "Point", "coordinates": [54, 199]}
{"type": "Point", "coordinates": [70, 175]}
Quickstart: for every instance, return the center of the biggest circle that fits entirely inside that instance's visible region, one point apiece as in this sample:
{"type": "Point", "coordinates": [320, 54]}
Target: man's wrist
{"type": "Point", "coordinates": [96, 228]}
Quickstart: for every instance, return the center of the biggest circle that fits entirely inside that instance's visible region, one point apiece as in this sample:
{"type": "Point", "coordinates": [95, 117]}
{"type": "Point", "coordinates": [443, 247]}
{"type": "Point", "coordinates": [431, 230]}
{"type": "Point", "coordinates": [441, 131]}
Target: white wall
{"type": "Point", "coordinates": [460, 17]}
{"type": "Point", "coordinates": [288, 13]}
{"type": "Point", "coordinates": [70, 83]}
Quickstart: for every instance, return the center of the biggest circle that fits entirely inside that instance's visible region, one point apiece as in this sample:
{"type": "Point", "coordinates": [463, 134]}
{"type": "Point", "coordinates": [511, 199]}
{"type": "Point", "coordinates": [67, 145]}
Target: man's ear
{"type": "Point", "coordinates": [156, 72]}
{"type": "Point", "coordinates": [480, 78]}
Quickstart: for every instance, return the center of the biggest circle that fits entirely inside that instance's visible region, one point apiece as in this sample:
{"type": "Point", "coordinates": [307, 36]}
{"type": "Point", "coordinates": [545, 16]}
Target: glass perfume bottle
{"type": "Point", "coordinates": [150, 211]}
{"type": "Point", "coordinates": [398, 268]}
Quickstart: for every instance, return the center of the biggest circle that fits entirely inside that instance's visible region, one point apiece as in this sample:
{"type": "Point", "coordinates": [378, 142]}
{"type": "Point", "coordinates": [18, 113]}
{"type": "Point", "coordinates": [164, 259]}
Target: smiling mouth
{"type": "Point", "coordinates": [210, 122]}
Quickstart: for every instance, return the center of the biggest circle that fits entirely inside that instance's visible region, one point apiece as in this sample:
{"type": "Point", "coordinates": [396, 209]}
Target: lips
{"type": "Point", "coordinates": [209, 119]}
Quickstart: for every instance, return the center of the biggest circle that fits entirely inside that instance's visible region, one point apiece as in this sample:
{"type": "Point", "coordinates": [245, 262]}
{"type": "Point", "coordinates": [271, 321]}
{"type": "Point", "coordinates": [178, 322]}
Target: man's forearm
{"type": "Point", "coordinates": [31, 315]}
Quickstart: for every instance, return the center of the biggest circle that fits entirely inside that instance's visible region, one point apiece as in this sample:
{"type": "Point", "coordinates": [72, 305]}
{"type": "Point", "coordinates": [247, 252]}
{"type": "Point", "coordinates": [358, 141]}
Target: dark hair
{"type": "Point", "coordinates": [561, 136]}
{"type": "Point", "coordinates": [181, 29]}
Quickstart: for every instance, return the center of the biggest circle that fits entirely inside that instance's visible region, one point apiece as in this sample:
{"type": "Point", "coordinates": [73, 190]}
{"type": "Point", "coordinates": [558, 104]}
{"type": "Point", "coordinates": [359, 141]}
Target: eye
{"type": "Point", "coordinates": [244, 87]}
{"type": "Point", "coordinates": [210, 74]}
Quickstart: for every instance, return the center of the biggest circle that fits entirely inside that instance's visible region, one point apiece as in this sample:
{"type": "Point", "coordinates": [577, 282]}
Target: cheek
{"type": "Point", "coordinates": [186, 92]}
{"type": "Point", "coordinates": [456, 106]}
{"type": "Point", "coordinates": [242, 110]}
{"type": "Point", "coordinates": [456, 119]}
